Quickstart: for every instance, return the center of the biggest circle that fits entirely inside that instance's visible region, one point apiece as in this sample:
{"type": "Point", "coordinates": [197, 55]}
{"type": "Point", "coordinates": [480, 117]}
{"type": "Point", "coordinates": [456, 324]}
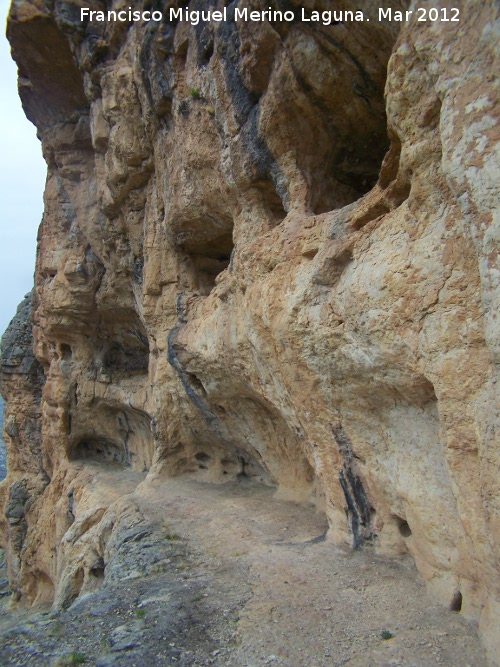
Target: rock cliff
{"type": "Point", "coordinates": [269, 250]}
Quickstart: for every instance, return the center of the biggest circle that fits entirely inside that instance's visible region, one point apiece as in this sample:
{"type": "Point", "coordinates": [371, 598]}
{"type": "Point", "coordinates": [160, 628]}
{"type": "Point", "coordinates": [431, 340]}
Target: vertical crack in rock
{"type": "Point", "coordinates": [358, 509]}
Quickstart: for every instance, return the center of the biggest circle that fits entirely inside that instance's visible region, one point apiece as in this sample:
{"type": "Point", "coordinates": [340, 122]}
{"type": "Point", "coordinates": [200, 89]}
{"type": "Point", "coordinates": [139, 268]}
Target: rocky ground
{"type": "Point", "coordinates": [228, 575]}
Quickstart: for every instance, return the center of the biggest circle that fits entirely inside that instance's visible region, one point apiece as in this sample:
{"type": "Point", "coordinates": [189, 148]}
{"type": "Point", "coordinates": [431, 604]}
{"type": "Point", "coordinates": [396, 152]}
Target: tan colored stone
{"type": "Point", "coordinates": [232, 280]}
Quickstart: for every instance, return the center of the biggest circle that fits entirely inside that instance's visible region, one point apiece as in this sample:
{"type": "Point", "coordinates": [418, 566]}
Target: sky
{"type": "Point", "coordinates": [22, 178]}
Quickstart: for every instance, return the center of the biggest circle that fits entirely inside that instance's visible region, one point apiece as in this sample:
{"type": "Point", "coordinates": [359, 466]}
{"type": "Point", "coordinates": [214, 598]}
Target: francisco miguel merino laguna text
{"type": "Point", "coordinates": [329, 17]}
{"type": "Point", "coordinates": [196, 16]}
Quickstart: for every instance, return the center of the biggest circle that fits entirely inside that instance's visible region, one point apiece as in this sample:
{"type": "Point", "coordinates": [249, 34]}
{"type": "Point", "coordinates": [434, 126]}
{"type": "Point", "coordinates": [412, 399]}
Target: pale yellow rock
{"type": "Point", "coordinates": [233, 280]}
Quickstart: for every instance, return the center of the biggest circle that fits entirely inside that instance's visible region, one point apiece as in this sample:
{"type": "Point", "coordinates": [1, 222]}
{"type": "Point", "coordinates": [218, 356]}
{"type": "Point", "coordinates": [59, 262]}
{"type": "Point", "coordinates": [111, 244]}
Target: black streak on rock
{"type": "Point", "coordinates": [357, 504]}
{"type": "Point", "coordinates": [173, 360]}
{"type": "Point", "coordinates": [247, 109]}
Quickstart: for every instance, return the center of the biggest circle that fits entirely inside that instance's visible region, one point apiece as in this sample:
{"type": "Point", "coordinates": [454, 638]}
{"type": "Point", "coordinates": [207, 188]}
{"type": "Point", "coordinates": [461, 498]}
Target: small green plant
{"type": "Point", "coordinates": [140, 613]}
{"type": "Point", "coordinates": [171, 537]}
{"type": "Point", "coordinates": [195, 93]}
{"type": "Point", "coordinates": [71, 659]}
{"type": "Point", "coordinates": [386, 634]}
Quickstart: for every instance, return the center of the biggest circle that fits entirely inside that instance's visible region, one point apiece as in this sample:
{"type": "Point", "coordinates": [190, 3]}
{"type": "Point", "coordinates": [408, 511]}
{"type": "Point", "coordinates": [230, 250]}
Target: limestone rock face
{"type": "Point", "coordinates": [268, 250]}
{"type": "Point", "coordinates": [21, 383]}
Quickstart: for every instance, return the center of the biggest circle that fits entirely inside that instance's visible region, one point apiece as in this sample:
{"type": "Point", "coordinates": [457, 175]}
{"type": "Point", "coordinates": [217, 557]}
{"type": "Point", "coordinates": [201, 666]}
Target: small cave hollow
{"type": "Point", "coordinates": [94, 577]}
{"type": "Point", "coordinates": [336, 122]}
{"type": "Point", "coordinates": [123, 358]}
{"type": "Point", "coordinates": [268, 445]}
{"type": "Point", "coordinates": [456, 602]}
{"type": "Point", "coordinates": [218, 465]}
{"type": "Point", "coordinates": [97, 571]}
{"type": "Point", "coordinates": [65, 352]}
{"type": "Point", "coordinates": [272, 201]}
{"type": "Point", "coordinates": [403, 527]}
{"type": "Point", "coordinates": [340, 155]}
{"type": "Point", "coordinates": [197, 384]}
{"type": "Point", "coordinates": [203, 460]}
{"type": "Point", "coordinates": [124, 348]}
{"type": "Point", "coordinates": [100, 449]}
{"type": "Point", "coordinates": [205, 260]}
{"type": "Point", "coordinates": [123, 438]}
{"type": "Point", "coordinates": [349, 171]}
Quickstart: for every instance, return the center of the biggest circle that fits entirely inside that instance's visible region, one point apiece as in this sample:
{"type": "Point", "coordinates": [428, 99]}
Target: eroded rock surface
{"type": "Point", "coordinates": [269, 251]}
{"type": "Point", "coordinates": [21, 383]}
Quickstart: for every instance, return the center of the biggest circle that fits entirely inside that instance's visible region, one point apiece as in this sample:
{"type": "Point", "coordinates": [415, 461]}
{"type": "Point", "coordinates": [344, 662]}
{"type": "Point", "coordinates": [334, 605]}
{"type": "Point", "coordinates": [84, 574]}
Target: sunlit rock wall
{"type": "Point", "coordinates": [269, 250]}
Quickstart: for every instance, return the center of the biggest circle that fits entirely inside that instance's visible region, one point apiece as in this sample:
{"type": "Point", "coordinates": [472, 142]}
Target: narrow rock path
{"type": "Point", "coordinates": [231, 576]}
{"type": "Point", "coordinates": [310, 604]}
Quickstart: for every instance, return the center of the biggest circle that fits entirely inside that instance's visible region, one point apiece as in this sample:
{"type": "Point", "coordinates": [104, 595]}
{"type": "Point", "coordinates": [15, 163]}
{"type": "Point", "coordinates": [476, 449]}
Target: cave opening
{"type": "Point", "coordinates": [404, 528]}
{"type": "Point", "coordinates": [456, 602]}
{"type": "Point", "coordinates": [126, 358]}
{"type": "Point", "coordinates": [65, 352]}
{"type": "Point", "coordinates": [197, 384]}
{"type": "Point", "coordinates": [331, 114]}
{"type": "Point", "coordinates": [124, 347]}
{"type": "Point", "coordinates": [206, 259]}
{"type": "Point", "coordinates": [100, 449]}
{"type": "Point", "coordinates": [203, 459]}
{"type": "Point", "coordinates": [272, 202]}
{"type": "Point", "coordinates": [97, 572]}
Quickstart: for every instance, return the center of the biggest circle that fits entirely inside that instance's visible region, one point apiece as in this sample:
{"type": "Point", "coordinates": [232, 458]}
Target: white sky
{"type": "Point", "coordinates": [22, 178]}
